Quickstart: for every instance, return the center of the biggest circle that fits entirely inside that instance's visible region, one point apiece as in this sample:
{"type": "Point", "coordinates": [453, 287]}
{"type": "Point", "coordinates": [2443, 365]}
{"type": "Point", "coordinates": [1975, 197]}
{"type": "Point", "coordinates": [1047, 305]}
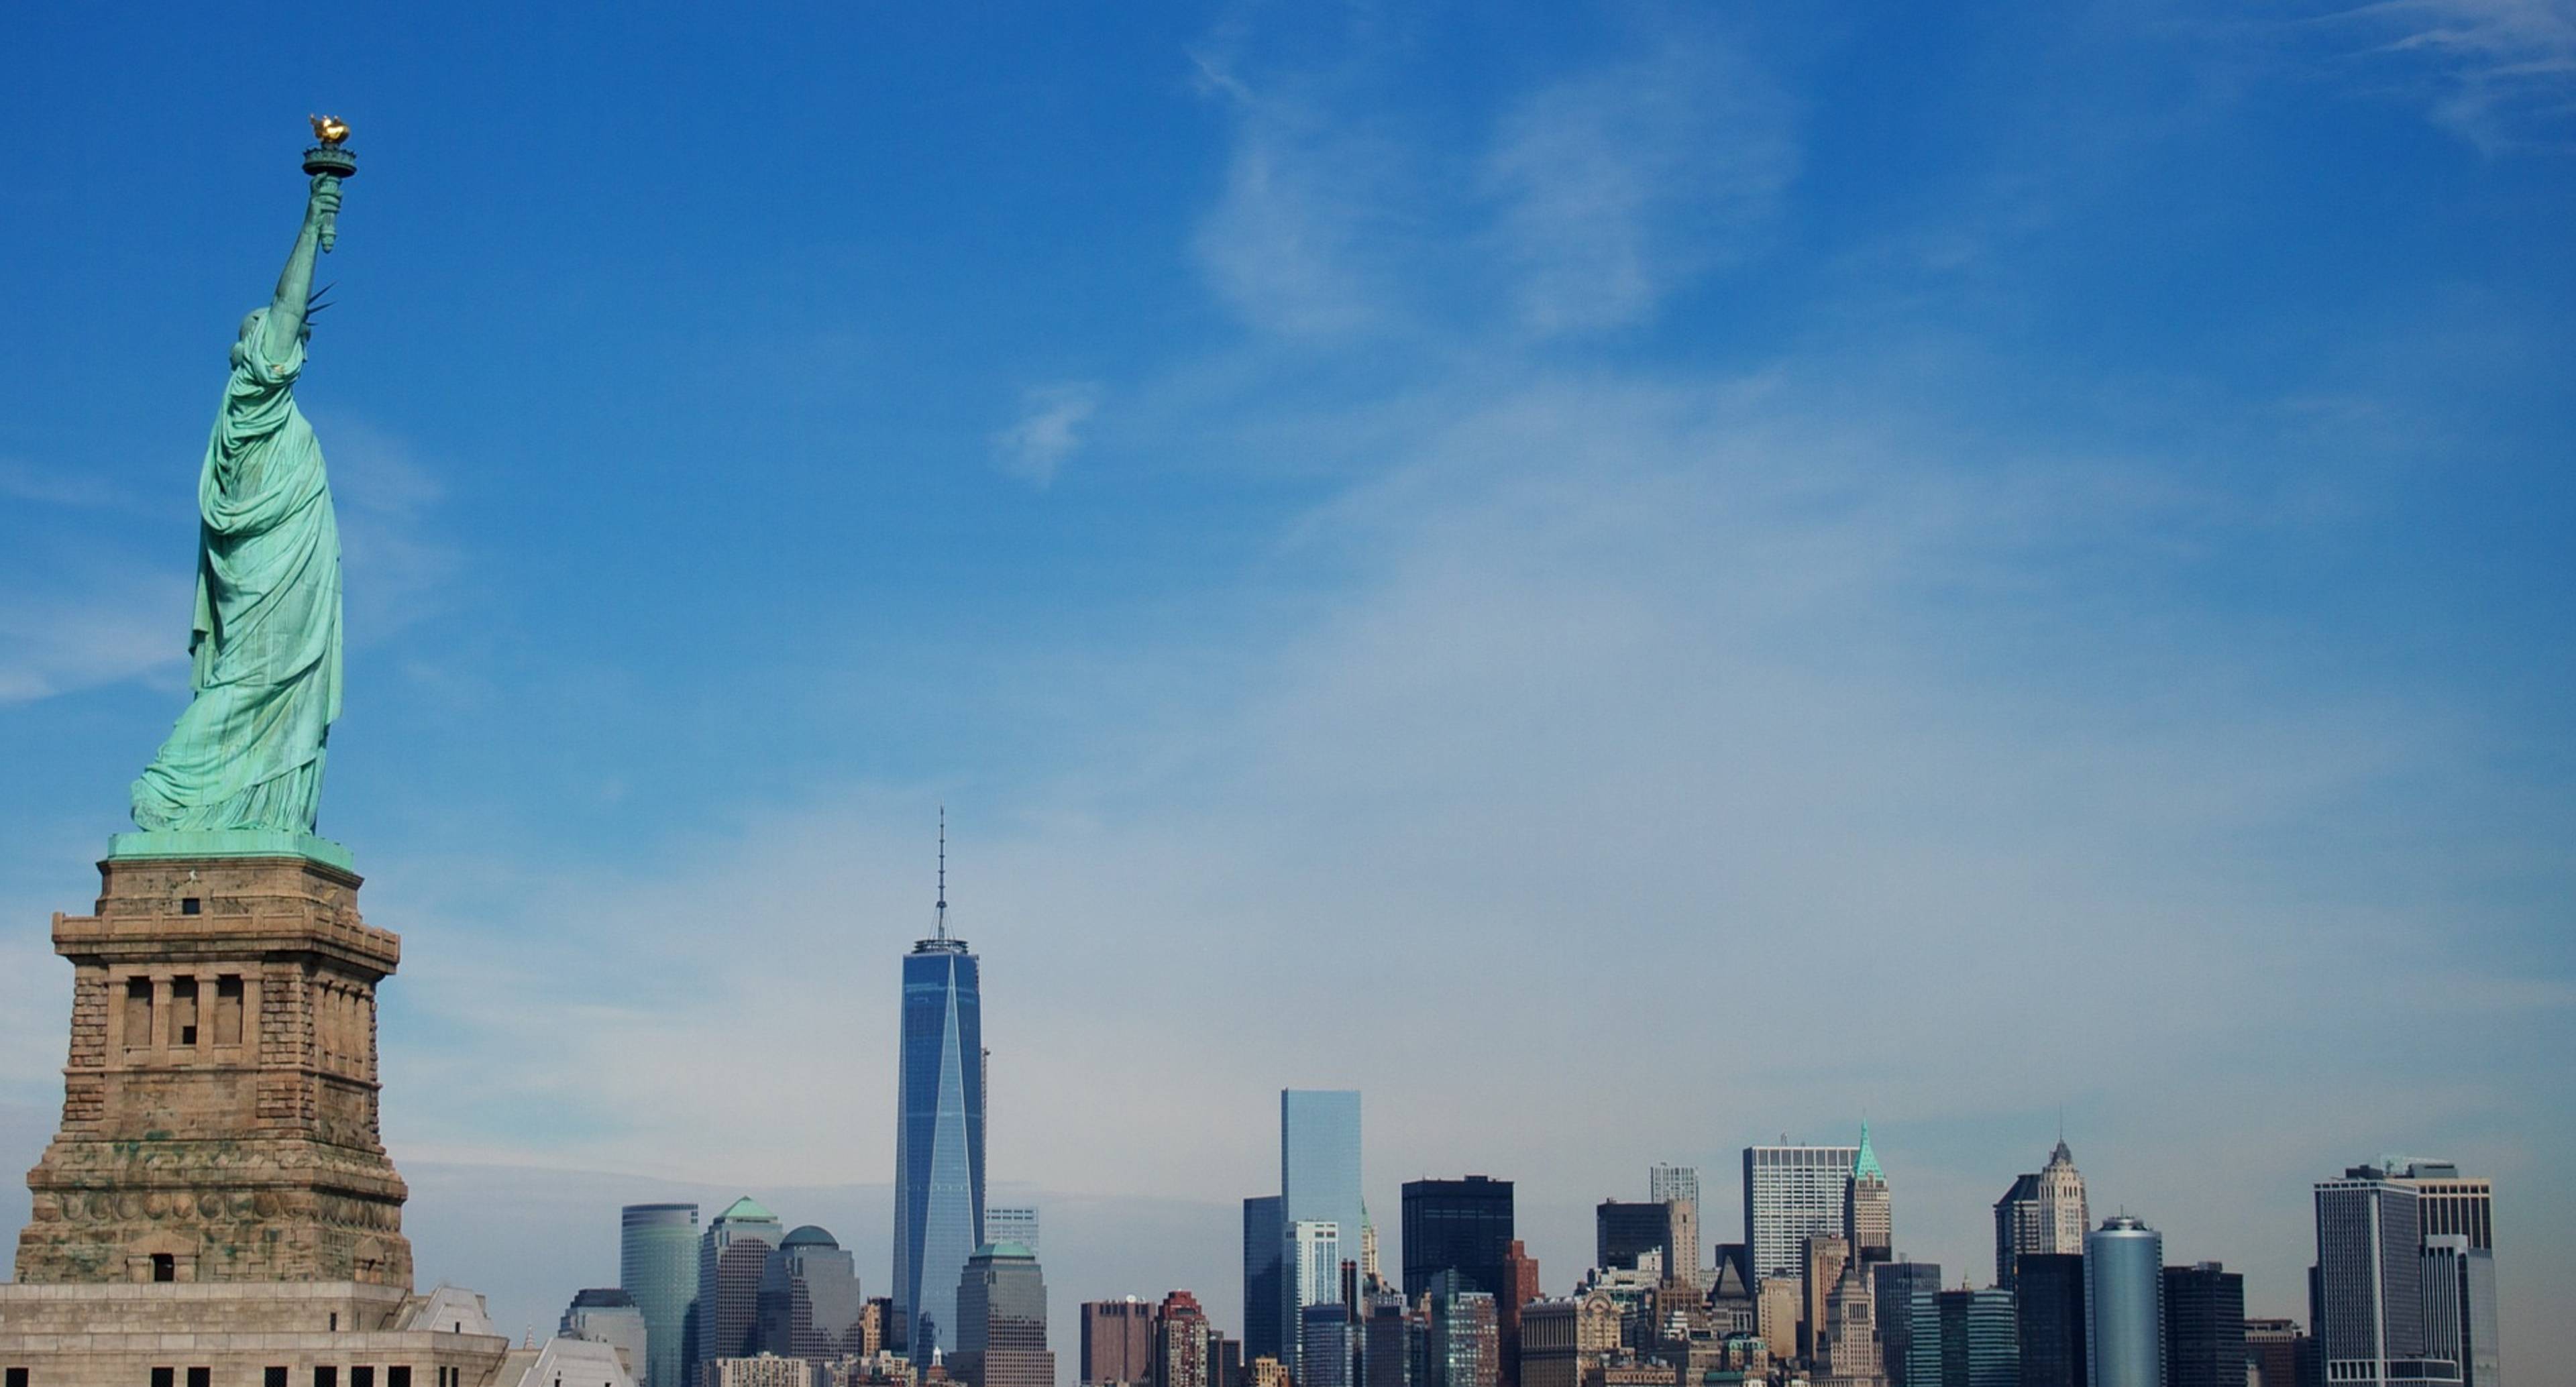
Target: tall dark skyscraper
{"type": "Point", "coordinates": [2204, 1327]}
{"type": "Point", "coordinates": [657, 1267]}
{"type": "Point", "coordinates": [1264, 1278]}
{"type": "Point", "coordinates": [1462, 1225]}
{"type": "Point", "coordinates": [1980, 1346]}
{"type": "Point", "coordinates": [2050, 1306]}
{"type": "Point", "coordinates": [1904, 1291]}
{"type": "Point", "coordinates": [1622, 1232]}
{"type": "Point", "coordinates": [939, 1132]}
{"type": "Point", "coordinates": [2368, 1284]}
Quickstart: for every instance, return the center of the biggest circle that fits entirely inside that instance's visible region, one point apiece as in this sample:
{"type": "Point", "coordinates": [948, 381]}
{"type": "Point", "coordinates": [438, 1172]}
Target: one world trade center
{"type": "Point", "coordinates": [939, 1134]}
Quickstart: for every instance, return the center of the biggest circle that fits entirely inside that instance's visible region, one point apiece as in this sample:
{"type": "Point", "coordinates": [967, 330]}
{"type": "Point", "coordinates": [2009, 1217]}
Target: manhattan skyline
{"type": "Point", "coordinates": [1395, 532]}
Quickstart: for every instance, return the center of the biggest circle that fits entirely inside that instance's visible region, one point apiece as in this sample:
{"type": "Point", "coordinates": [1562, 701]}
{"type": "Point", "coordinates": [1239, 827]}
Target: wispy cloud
{"type": "Point", "coordinates": [116, 624]}
{"type": "Point", "coordinates": [401, 566]}
{"type": "Point", "coordinates": [2501, 74]}
{"type": "Point", "coordinates": [1047, 432]}
{"type": "Point", "coordinates": [1619, 184]}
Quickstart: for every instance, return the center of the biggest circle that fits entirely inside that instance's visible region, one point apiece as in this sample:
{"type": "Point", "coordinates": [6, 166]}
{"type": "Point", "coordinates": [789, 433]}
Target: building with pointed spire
{"type": "Point", "coordinates": [1868, 1218]}
{"type": "Point", "coordinates": [939, 1131]}
{"type": "Point", "coordinates": [2044, 1211]}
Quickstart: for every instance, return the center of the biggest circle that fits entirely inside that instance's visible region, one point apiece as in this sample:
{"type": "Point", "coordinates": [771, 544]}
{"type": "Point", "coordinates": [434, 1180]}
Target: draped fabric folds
{"type": "Point", "coordinates": [264, 648]}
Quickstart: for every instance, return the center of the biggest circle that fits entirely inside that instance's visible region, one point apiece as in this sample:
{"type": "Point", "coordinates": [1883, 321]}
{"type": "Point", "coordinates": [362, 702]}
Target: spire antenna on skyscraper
{"type": "Point", "coordinates": [940, 921]}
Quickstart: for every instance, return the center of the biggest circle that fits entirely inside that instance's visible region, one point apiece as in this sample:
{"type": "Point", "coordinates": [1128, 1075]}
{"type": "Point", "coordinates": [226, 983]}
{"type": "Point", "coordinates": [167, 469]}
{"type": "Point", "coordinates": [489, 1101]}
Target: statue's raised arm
{"type": "Point", "coordinates": [264, 648]}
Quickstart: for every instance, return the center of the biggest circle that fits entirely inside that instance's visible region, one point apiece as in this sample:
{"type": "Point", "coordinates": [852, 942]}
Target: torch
{"type": "Point", "coordinates": [329, 157]}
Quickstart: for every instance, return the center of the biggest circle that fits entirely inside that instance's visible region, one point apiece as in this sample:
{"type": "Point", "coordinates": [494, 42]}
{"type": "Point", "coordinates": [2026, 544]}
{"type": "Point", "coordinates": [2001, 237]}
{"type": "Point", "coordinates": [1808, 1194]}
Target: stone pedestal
{"type": "Point", "coordinates": [219, 1106]}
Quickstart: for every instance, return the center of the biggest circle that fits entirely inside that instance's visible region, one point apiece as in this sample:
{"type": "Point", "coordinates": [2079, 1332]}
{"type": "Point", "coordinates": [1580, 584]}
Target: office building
{"type": "Point", "coordinates": [1002, 1320]}
{"type": "Point", "coordinates": [1623, 1232]}
{"type": "Point", "coordinates": [2272, 1349]}
{"type": "Point", "coordinates": [757, 1370]}
{"type": "Point", "coordinates": [2367, 1289]}
{"type": "Point", "coordinates": [1013, 1224]}
{"type": "Point", "coordinates": [1314, 1269]}
{"type": "Point", "coordinates": [1182, 1348]}
{"type": "Point", "coordinates": [2049, 1316]}
{"type": "Point", "coordinates": [1319, 1183]}
{"type": "Point", "coordinates": [1792, 1193]}
{"type": "Point", "coordinates": [1265, 1241]}
{"type": "Point", "coordinates": [1462, 1225]}
{"type": "Point", "coordinates": [2446, 1201]}
{"type": "Point", "coordinates": [1904, 1292]}
{"type": "Point", "coordinates": [2460, 1307]}
{"type": "Point", "coordinates": [1730, 1294]}
{"type": "Point", "coordinates": [1848, 1352]}
{"type": "Point", "coordinates": [1386, 1342]}
{"type": "Point", "coordinates": [657, 1266]}
{"type": "Point", "coordinates": [1980, 1343]}
{"type": "Point", "coordinates": [2044, 1211]}
{"type": "Point", "coordinates": [1519, 1288]}
{"type": "Point", "coordinates": [1371, 1282]}
{"type": "Point", "coordinates": [2204, 1317]}
{"type": "Point", "coordinates": [810, 1301]}
{"type": "Point", "coordinates": [1564, 1342]}
{"type": "Point", "coordinates": [1118, 1342]}
{"type": "Point", "coordinates": [732, 1254]}
{"type": "Point", "coordinates": [1267, 1372]}
{"type": "Point", "coordinates": [609, 1316]}
{"type": "Point", "coordinates": [2124, 1329]}
{"type": "Point", "coordinates": [1777, 1309]}
{"type": "Point", "coordinates": [1869, 1219]}
{"type": "Point", "coordinates": [939, 1132]}
{"type": "Point", "coordinates": [1324, 1345]}
{"type": "Point", "coordinates": [1666, 1183]}
{"type": "Point", "coordinates": [1465, 1336]}
{"type": "Point", "coordinates": [1820, 1267]}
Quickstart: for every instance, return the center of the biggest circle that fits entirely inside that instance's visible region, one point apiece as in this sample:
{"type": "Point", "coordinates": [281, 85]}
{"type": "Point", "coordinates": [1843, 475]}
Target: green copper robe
{"type": "Point", "coordinates": [265, 645]}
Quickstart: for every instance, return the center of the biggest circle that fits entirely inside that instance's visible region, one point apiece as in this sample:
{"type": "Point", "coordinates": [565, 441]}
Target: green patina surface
{"type": "Point", "coordinates": [264, 647]}
{"type": "Point", "coordinates": [228, 842]}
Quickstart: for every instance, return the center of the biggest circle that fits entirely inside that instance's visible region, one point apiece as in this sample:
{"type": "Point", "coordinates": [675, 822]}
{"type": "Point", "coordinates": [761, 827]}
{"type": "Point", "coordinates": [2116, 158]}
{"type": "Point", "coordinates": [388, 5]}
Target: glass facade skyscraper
{"type": "Point", "coordinates": [2124, 1305]}
{"type": "Point", "coordinates": [1264, 1282]}
{"type": "Point", "coordinates": [2051, 1306]}
{"type": "Point", "coordinates": [1457, 1225]}
{"type": "Point", "coordinates": [939, 1139]}
{"type": "Point", "coordinates": [1319, 1182]}
{"type": "Point", "coordinates": [1904, 1291]}
{"type": "Point", "coordinates": [657, 1266]}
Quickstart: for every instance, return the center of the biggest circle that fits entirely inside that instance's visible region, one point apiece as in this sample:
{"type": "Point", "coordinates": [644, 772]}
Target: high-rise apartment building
{"type": "Point", "coordinates": [1265, 1288]}
{"type": "Point", "coordinates": [1462, 1225]}
{"type": "Point", "coordinates": [1313, 1264]}
{"type": "Point", "coordinates": [2044, 1211]}
{"type": "Point", "coordinates": [2368, 1285]}
{"type": "Point", "coordinates": [1184, 1352]}
{"type": "Point", "coordinates": [1904, 1291]}
{"type": "Point", "coordinates": [1002, 1320]}
{"type": "Point", "coordinates": [1980, 1344]}
{"type": "Point", "coordinates": [1869, 1219]}
{"type": "Point", "coordinates": [1386, 1342]}
{"type": "Point", "coordinates": [657, 1265]}
{"type": "Point", "coordinates": [1465, 1338]}
{"type": "Point", "coordinates": [2204, 1326]}
{"type": "Point", "coordinates": [609, 1316]}
{"type": "Point", "coordinates": [1118, 1342]}
{"type": "Point", "coordinates": [732, 1254]}
{"type": "Point", "coordinates": [2049, 1315]}
{"type": "Point", "coordinates": [2124, 1320]}
{"type": "Point", "coordinates": [810, 1301]}
{"type": "Point", "coordinates": [1792, 1193]}
{"type": "Point", "coordinates": [939, 1131]}
{"type": "Point", "coordinates": [1319, 1182]}
{"type": "Point", "coordinates": [1013, 1224]}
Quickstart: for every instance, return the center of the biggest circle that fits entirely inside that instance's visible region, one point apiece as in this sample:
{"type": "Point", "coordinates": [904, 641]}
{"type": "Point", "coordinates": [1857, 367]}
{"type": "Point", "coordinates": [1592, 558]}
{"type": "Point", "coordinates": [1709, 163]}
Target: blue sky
{"type": "Point", "coordinates": [1949, 565]}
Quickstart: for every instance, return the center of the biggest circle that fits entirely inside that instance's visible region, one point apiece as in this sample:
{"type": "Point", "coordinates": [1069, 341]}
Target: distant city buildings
{"type": "Point", "coordinates": [1465, 1336]}
{"type": "Point", "coordinates": [1869, 1219]}
{"type": "Point", "coordinates": [2204, 1313]}
{"type": "Point", "coordinates": [1904, 1291]}
{"type": "Point", "coordinates": [811, 1306]}
{"type": "Point", "coordinates": [657, 1266]}
{"type": "Point", "coordinates": [2124, 1334]}
{"type": "Point", "coordinates": [1462, 1225]}
{"type": "Point", "coordinates": [1118, 1342]}
{"type": "Point", "coordinates": [2049, 1306]}
{"type": "Point", "coordinates": [1980, 1341]}
{"type": "Point", "coordinates": [1319, 1188]}
{"type": "Point", "coordinates": [732, 1253]}
{"type": "Point", "coordinates": [2392, 1306]}
{"type": "Point", "coordinates": [1183, 1347]}
{"type": "Point", "coordinates": [939, 1133]}
{"type": "Point", "coordinates": [1013, 1224]}
{"type": "Point", "coordinates": [1265, 1255]}
{"type": "Point", "coordinates": [2044, 1211]}
{"type": "Point", "coordinates": [1792, 1193]}
{"type": "Point", "coordinates": [609, 1316]}
{"type": "Point", "coordinates": [1002, 1320]}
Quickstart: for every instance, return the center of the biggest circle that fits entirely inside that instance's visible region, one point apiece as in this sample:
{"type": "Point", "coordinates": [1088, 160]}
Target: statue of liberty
{"type": "Point", "coordinates": [264, 649]}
